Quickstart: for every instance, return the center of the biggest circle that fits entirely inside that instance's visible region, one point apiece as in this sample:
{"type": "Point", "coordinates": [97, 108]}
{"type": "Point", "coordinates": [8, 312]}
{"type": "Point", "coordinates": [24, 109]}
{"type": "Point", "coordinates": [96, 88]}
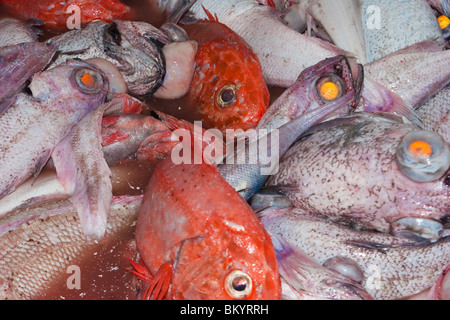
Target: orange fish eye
{"type": "Point", "coordinates": [420, 148]}
{"type": "Point", "coordinates": [443, 21]}
{"type": "Point", "coordinates": [227, 96]}
{"type": "Point", "coordinates": [238, 284]}
{"type": "Point", "coordinates": [87, 80]}
{"type": "Point", "coordinates": [330, 88]}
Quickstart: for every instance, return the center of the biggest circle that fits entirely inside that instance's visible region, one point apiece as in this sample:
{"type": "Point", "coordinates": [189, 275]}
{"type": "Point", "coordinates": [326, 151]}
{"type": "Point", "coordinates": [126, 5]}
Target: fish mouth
{"type": "Point", "coordinates": [140, 60]}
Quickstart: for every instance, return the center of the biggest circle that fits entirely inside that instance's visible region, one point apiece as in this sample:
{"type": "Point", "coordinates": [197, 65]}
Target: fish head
{"type": "Point", "coordinates": [330, 80]}
{"type": "Point", "coordinates": [228, 86]}
{"type": "Point", "coordinates": [75, 80]}
{"type": "Point", "coordinates": [137, 47]}
{"type": "Point", "coordinates": [245, 269]}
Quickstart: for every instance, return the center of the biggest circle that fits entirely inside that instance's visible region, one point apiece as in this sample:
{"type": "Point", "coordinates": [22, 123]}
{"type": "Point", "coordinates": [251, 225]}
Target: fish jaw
{"type": "Point", "coordinates": [205, 252]}
{"type": "Point", "coordinates": [302, 96]}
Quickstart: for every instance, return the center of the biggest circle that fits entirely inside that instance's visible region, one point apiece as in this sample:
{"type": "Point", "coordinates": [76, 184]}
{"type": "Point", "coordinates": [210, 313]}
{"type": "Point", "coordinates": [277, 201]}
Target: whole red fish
{"type": "Point", "coordinates": [228, 86]}
{"type": "Point", "coordinates": [200, 240]}
{"type": "Point", "coordinates": [55, 13]}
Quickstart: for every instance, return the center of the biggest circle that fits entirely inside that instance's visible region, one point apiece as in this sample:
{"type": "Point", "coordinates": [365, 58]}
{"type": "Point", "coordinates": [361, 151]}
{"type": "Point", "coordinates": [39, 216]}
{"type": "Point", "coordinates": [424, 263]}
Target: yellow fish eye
{"type": "Point", "coordinates": [420, 148]}
{"type": "Point", "coordinates": [444, 21]}
{"type": "Point", "coordinates": [87, 80]}
{"type": "Point", "coordinates": [330, 87]}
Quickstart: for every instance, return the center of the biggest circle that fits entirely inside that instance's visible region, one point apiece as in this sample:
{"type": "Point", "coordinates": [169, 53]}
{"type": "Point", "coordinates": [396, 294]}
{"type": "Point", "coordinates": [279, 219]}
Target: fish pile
{"type": "Point", "coordinates": [238, 149]}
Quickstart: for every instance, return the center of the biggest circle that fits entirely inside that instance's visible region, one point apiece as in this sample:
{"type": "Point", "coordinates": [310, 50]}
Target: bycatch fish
{"type": "Point", "coordinates": [228, 88]}
{"type": "Point", "coordinates": [134, 48]}
{"type": "Point", "coordinates": [14, 31]}
{"type": "Point", "coordinates": [32, 127]}
{"type": "Point", "coordinates": [57, 14]}
{"type": "Point", "coordinates": [388, 267]}
{"type": "Point", "coordinates": [368, 170]}
{"type": "Point", "coordinates": [200, 240]}
{"type": "Point", "coordinates": [42, 245]}
{"type": "Point", "coordinates": [391, 26]}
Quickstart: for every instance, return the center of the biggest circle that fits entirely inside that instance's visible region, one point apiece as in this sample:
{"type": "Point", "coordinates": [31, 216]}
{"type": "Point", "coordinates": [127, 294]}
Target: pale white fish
{"type": "Point", "coordinates": [392, 267]}
{"type": "Point", "coordinates": [392, 25]}
{"type": "Point", "coordinates": [283, 52]}
{"type": "Point", "coordinates": [341, 19]}
{"type": "Point", "coordinates": [435, 114]}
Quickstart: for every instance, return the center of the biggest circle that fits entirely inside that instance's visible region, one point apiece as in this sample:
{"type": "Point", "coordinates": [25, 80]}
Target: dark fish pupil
{"type": "Point", "coordinates": [227, 95]}
{"type": "Point", "coordinates": [239, 283]}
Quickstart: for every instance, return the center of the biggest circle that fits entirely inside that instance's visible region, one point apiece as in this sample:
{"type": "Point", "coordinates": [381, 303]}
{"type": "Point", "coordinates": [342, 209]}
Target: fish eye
{"type": "Point", "coordinates": [238, 284]}
{"type": "Point", "coordinates": [443, 21]}
{"type": "Point", "coordinates": [423, 156]}
{"type": "Point", "coordinates": [330, 87]}
{"type": "Point", "coordinates": [88, 80]}
{"type": "Point", "coordinates": [227, 96]}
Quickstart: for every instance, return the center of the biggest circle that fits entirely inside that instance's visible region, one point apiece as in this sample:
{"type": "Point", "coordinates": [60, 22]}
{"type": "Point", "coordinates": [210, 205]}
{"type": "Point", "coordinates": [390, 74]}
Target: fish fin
{"type": "Point", "coordinates": [124, 103]}
{"type": "Point", "coordinates": [378, 98]}
{"type": "Point", "coordinates": [156, 146]}
{"type": "Point", "coordinates": [160, 284]}
{"type": "Point", "coordinates": [309, 278]}
{"type": "Point", "coordinates": [210, 16]}
{"type": "Point", "coordinates": [436, 289]}
{"type": "Point", "coordinates": [140, 271]}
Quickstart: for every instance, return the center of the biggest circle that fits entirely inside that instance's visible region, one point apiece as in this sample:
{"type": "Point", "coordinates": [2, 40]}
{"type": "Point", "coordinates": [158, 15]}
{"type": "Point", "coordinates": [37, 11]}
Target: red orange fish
{"type": "Point", "coordinates": [200, 239]}
{"type": "Point", "coordinates": [55, 13]}
{"type": "Point", "coordinates": [228, 86]}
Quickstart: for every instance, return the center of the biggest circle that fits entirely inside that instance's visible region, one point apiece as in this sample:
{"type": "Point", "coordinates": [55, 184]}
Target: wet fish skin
{"type": "Point", "coordinates": [415, 73]}
{"type": "Point", "coordinates": [282, 66]}
{"type": "Point", "coordinates": [18, 63]}
{"type": "Point", "coordinates": [393, 267]}
{"type": "Point", "coordinates": [413, 22]}
{"type": "Point", "coordinates": [34, 125]}
{"type": "Point", "coordinates": [14, 31]}
{"type": "Point", "coordinates": [435, 114]}
{"type": "Point", "coordinates": [47, 240]}
{"type": "Point", "coordinates": [346, 169]}
{"type": "Point", "coordinates": [134, 50]}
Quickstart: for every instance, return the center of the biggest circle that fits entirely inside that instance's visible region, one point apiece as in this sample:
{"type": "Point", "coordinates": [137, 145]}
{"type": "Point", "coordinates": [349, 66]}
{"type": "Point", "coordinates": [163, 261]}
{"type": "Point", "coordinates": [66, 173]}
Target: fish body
{"type": "Point", "coordinates": [33, 126]}
{"type": "Point", "coordinates": [14, 31]}
{"type": "Point", "coordinates": [228, 87]}
{"type": "Point", "coordinates": [356, 169]}
{"type": "Point", "coordinates": [134, 48]}
{"type": "Point", "coordinates": [435, 114]}
{"type": "Point", "coordinates": [43, 243]}
{"type": "Point", "coordinates": [58, 15]}
{"type": "Point", "coordinates": [393, 267]}
{"type": "Point", "coordinates": [283, 52]}
{"type": "Point", "coordinates": [415, 73]}
{"type": "Point", "coordinates": [18, 64]}
{"type": "Point", "coordinates": [197, 236]}
{"type": "Point", "coordinates": [391, 26]}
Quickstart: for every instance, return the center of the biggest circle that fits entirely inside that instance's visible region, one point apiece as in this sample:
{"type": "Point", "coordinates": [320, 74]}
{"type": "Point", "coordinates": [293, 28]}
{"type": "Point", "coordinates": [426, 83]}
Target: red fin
{"type": "Point", "coordinates": [156, 146]}
{"type": "Point", "coordinates": [158, 284]}
{"type": "Point", "coordinates": [210, 16]}
{"type": "Point", "coordinates": [271, 3]}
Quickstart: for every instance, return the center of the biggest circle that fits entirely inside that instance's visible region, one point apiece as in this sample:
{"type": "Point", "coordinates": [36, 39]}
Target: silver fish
{"type": "Point", "coordinates": [41, 242]}
{"type": "Point", "coordinates": [133, 47]}
{"type": "Point", "coordinates": [292, 115]}
{"type": "Point", "coordinates": [393, 267]}
{"type": "Point", "coordinates": [284, 56]}
{"type": "Point", "coordinates": [415, 73]}
{"type": "Point", "coordinates": [363, 169]}
{"type": "Point", "coordinates": [32, 127]}
{"type": "Point", "coordinates": [390, 26]}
